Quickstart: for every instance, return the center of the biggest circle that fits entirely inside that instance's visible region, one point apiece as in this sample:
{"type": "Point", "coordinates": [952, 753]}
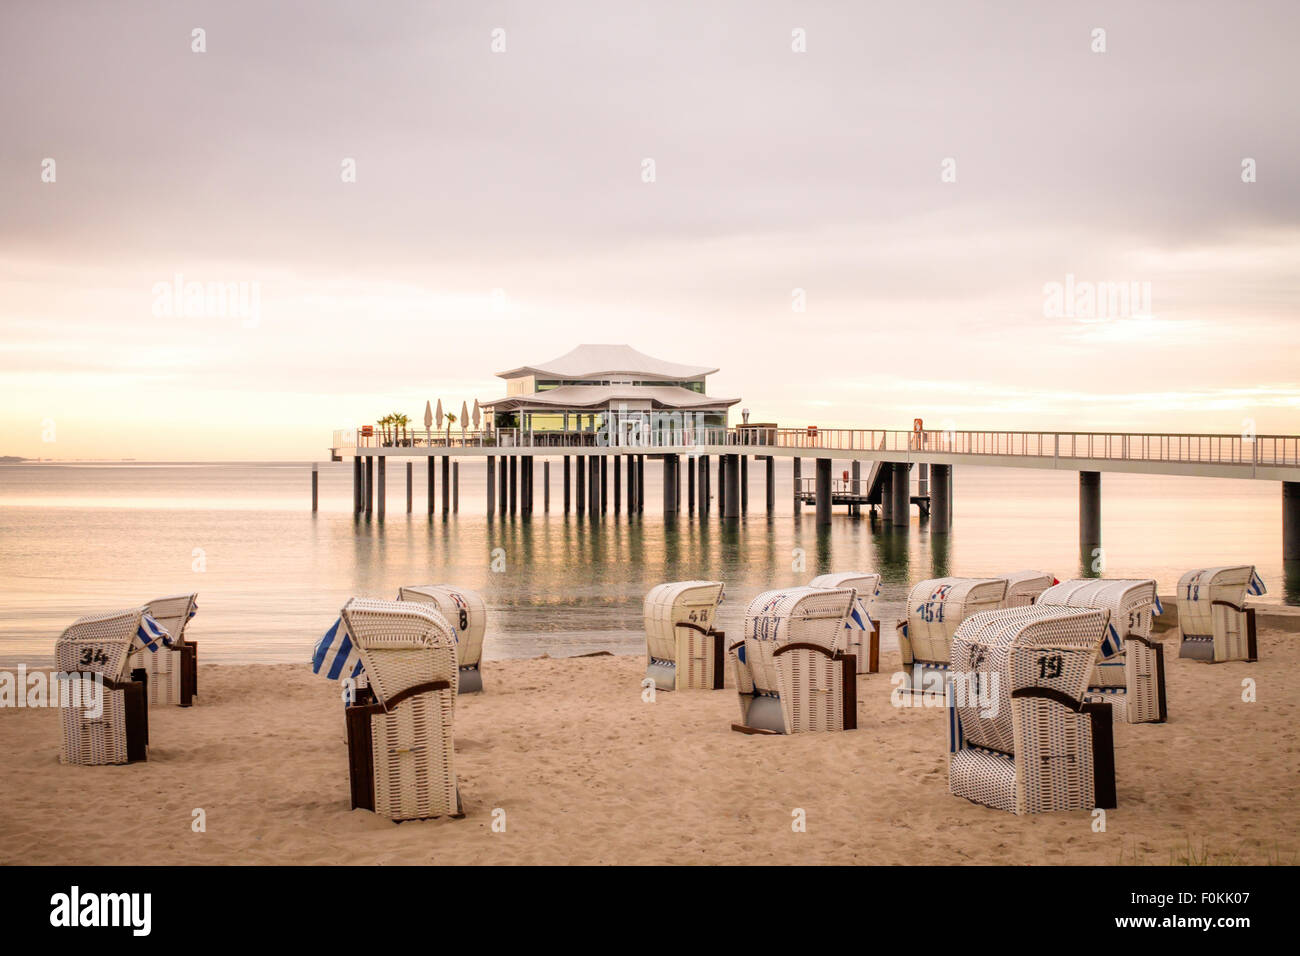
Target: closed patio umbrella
{"type": "Point", "coordinates": [428, 422]}
{"type": "Point", "coordinates": [464, 420]}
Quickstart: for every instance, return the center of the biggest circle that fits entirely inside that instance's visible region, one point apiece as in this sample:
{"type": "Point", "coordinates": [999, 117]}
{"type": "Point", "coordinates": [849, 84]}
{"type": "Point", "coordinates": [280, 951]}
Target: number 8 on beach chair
{"type": "Point", "coordinates": [790, 672]}
{"type": "Point", "coordinates": [1023, 734]}
{"type": "Point", "coordinates": [400, 744]}
{"type": "Point", "coordinates": [1215, 623]}
{"type": "Point", "coordinates": [467, 614]}
{"type": "Point", "coordinates": [683, 651]}
{"type": "Point", "coordinates": [108, 722]}
{"type": "Point", "coordinates": [1130, 671]}
{"type": "Point", "coordinates": [935, 609]}
{"type": "Point", "coordinates": [862, 628]}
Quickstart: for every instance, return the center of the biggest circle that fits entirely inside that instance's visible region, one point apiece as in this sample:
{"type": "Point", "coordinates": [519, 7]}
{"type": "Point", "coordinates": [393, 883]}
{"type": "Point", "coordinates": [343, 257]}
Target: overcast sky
{"type": "Point", "coordinates": [500, 213]}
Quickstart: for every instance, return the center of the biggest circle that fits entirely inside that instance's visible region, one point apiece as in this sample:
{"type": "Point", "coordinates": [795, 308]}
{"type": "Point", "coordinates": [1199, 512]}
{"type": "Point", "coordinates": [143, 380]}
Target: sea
{"type": "Point", "coordinates": [271, 575]}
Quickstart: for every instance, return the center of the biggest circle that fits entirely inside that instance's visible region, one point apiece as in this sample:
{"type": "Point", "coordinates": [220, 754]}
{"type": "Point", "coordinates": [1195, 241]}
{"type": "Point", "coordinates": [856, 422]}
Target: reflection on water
{"type": "Point", "coordinates": [273, 576]}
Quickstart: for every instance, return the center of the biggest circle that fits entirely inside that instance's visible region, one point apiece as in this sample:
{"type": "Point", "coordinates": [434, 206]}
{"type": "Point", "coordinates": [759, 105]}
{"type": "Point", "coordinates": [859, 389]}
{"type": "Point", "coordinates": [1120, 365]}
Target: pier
{"type": "Point", "coordinates": [880, 463]}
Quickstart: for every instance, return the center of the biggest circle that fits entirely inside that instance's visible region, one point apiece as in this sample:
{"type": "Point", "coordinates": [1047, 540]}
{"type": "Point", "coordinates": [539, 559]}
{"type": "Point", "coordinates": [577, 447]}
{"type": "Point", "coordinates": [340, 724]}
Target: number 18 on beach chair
{"type": "Point", "coordinates": [400, 743]}
{"type": "Point", "coordinates": [790, 670]}
{"type": "Point", "coordinates": [683, 651]}
{"type": "Point", "coordinates": [96, 648]}
{"type": "Point", "coordinates": [1212, 615]}
{"type": "Point", "coordinates": [1023, 734]}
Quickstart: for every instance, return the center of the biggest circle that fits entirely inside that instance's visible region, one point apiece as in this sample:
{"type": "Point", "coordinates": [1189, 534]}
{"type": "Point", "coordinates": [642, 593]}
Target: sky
{"type": "Point", "coordinates": [861, 213]}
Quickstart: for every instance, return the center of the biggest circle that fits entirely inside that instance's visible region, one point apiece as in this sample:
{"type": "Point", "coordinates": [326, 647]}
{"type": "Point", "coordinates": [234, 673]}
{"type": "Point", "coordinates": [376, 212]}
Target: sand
{"type": "Point", "coordinates": [587, 773]}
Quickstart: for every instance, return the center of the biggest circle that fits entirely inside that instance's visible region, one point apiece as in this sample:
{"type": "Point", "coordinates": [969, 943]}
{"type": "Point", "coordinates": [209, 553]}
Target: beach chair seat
{"type": "Point", "coordinates": [683, 651]}
{"type": "Point", "coordinates": [1213, 618]}
{"type": "Point", "coordinates": [467, 613]}
{"type": "Point", "coordinates": [1024, 735]}
{"type": "Point", "coordinates": [862, 628]}
{"type": "Point", "coordinates": [400, 728]}
{"type": "Point", "coordinates": [935, 609]}
{"type": "Point", "coordinates": [1025, 587]}
{"type": "Point", "coordinates": [1130, 669]}
{"type": "Point", "coordinates": [173, 669]}
{"type": "Point", "coordinates": [93, 660]}
{"type": "Point", "coordinates": [790, 670]}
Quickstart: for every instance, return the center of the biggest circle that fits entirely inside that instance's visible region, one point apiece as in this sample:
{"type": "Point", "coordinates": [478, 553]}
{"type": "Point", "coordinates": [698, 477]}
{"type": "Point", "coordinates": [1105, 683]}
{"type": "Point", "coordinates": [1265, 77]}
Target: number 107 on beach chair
{"type": "Point", "coordinates": [790, 670]}
{"type": "Point", "coordinates": [683, 651]}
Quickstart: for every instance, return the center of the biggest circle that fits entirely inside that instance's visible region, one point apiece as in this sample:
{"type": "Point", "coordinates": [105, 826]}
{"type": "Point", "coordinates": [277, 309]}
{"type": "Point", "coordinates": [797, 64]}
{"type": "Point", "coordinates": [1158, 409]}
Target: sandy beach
{"type": "Point", "coordinates": [587, 773]}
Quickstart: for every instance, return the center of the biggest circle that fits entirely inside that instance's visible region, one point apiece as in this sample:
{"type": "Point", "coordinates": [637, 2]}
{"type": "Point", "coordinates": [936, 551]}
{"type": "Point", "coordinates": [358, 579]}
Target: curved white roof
{"type": "Point", "coordinates": [599, 396]}
{"type": "Point", "coordinates": [595, 361]}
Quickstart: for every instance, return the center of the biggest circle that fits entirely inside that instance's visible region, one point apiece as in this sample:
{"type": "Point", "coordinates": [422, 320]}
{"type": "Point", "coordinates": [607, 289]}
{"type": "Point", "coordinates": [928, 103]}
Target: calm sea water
{"type": "Point", "coordinates": [271, 576]}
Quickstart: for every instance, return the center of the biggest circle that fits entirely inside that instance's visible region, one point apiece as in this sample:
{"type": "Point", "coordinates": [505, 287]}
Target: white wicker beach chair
{"type": "Point", "coordinates": [1130, 671]}
{"type": "Point", "coordinates": [1024, 587]}
{"type": "Point", "coordinates": [683, 651]}
{"type": "Point", "coordinates": [862, 636]}
{"type": "Point", "coordinates": [935, 609]}
{"type": "Point", "coordinates": [789, 669]}
{"type": "Point", "coordinates": [1024, 735]}
{"type": "Point", "coordinates": [173, 670]}
{"type": "Point", "coordinates": [467, 613]}
{"type": "Point", "coordinates": [1212, 615]}
{"type": "Point", "coordinates": [101, 644]}
{"type": "Point", "coordinates": [400, 744]}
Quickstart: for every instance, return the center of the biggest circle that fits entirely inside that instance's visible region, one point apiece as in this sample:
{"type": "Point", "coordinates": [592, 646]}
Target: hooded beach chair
{"type": "Point", "coordinates": [98, 648]}
{"type": "Point", "coordinates": [683, 651]}
{"type": "Point", "coordinates": [467, 613]}
{"type": "Point", "coordinates": [173, 669]}
{"type": "Point", "coordinates": [862, 626]}
{"type": "Point", "coordinates": [790, 670]}
{"type": "Point", "coordinates": [935, 609]}
{"type": "Point", "coordinates": [1024, 733]}
{"type": "Point", "coordinates": [1024, 587]}
{"type": "Point", "coordinates": [1212, 615]}
{"type": "Point", "coordinates": [400, 745]}
{"type": "Point", "coordinates": [1130, 671]}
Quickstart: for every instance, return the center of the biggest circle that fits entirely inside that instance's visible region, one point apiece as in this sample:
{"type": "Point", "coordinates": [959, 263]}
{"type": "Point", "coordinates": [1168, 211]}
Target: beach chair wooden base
{"type": "Point", "coordinates": [361, 749]}
{"type": "Point", "coordinates": [120, 735]}
{"type": "Point", "coordinates": [701, 666]}
{"type": "Point", "coordinates": [848, 676]}
{"type": "Point", "coordinates": [1234, 639]}
{"type": "Point", "coordinates": [190, 672]}
{"type": "Point", "coordinates": [469, 680]}
{"type": "Point", "coordinates": [1142, 699]}
{"type": "Point", "coordinates": [866, 648]}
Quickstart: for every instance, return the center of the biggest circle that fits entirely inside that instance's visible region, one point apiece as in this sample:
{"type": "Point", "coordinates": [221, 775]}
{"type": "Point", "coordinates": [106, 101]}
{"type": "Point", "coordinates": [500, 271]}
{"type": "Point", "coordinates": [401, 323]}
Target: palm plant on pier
{"type": "Point", "coordinates": [400, 421]}
{"type": "Point", "coordinates": [451, 420]}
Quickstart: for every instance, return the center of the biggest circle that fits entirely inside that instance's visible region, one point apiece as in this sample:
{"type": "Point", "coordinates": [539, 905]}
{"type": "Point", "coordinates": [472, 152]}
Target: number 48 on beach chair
{"type": "Point", "coordinates": [683, 651]}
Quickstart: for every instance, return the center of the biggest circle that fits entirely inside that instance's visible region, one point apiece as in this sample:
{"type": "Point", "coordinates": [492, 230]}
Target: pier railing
{"type": "Point", "coordinates": [1208, 449]}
